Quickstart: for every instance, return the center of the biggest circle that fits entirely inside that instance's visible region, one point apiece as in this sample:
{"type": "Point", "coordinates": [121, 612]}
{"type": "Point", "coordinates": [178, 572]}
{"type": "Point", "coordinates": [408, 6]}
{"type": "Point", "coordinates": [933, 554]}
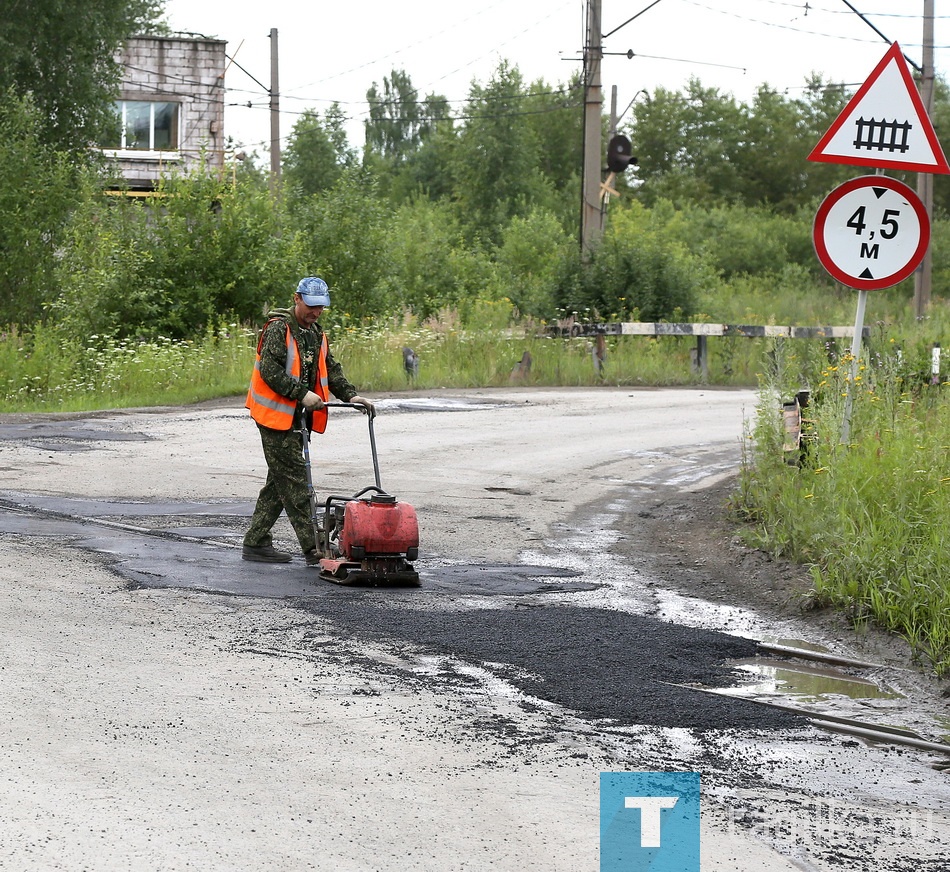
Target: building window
{"type": "Point", "coordinates": [145, 126]}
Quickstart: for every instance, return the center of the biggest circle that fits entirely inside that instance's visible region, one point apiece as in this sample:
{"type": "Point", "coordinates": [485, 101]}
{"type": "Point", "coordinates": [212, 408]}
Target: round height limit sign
{"type": "Point", "coordinates": [871, 232]}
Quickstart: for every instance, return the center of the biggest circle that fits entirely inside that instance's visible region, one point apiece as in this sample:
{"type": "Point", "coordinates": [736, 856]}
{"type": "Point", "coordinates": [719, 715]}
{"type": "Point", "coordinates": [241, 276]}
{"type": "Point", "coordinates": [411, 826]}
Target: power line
{"type": "Point", "coordinates": [810, 7]}
{"type": "Point", "coordinates": [807, 32]}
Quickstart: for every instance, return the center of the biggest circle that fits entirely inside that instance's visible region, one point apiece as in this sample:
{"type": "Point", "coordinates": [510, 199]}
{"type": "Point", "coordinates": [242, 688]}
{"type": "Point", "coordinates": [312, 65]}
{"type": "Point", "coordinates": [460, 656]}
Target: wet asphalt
{"type": "Point", "coordinates": [603, 665]}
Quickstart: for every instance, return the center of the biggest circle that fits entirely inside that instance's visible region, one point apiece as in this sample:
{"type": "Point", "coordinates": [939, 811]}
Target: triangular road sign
{"type": "Point", "coordinates": [884, 124]}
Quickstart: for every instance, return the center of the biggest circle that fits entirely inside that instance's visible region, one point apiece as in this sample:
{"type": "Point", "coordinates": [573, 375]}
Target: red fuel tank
{"type": "Point", "coordinates": [379, 527]}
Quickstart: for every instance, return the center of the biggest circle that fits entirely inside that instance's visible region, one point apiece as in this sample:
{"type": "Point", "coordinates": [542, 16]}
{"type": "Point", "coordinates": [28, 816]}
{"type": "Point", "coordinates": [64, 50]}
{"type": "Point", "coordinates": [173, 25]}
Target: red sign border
{"type": "Point", "coordinates": [940, 167]}
{"type": "Point", "coordinates": [821, 216]}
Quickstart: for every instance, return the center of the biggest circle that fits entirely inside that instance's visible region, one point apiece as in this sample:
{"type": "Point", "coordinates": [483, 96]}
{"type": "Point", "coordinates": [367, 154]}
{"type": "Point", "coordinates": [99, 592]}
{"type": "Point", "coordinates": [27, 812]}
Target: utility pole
{"type": "Point", "coordinates": [613, 112]}
{"type": "Point", "coordinates": [923, 277]}
{"type": "Point", "coordinates": [592, 218]}
{"type": "Point", "coordinates": [274, 117]}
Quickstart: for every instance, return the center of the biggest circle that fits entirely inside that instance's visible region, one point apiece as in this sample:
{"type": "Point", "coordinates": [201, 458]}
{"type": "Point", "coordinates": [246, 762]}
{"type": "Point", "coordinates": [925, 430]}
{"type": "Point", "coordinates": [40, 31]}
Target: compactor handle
{"type": "Point", "coordinates": [372, 435]}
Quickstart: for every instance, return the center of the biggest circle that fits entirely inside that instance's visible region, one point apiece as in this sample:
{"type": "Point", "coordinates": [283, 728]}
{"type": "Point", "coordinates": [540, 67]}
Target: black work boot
{"type": "Point", "coordinates": [264, 554]}
{"type": "Point", "coordinates": [312, 557]}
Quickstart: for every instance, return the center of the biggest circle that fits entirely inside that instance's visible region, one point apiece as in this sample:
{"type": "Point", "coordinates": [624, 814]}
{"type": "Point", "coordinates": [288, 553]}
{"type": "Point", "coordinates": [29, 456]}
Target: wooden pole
{"type": "Point", "coordinates": [592, 224]}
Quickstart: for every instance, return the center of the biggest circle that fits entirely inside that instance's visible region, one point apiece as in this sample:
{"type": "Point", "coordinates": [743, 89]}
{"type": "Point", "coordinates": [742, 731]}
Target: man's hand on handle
{"type": "Point", "coordinates": [312, 402]}
{"type": "Point", "coordinates": [368, 407]}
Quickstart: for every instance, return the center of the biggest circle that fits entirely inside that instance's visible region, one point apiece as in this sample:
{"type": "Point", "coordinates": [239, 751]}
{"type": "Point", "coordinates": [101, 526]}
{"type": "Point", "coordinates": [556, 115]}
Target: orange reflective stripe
{"type": "Point", "coordinates": [321, 387]}
{"type": "Point", "coordinates": [266, 406]}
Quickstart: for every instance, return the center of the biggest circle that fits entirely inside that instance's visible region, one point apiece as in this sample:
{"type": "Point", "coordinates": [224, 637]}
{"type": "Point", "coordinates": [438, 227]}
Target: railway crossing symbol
{"type": "Point", "coordinates": [884, 125]}
{"type": "Point", "coordinates": [871, 232]}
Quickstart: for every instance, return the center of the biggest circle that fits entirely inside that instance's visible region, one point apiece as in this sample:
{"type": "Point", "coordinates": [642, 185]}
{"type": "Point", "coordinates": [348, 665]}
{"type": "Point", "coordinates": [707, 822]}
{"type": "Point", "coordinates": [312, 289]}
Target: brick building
{"type": "Point", "coordinates": [171, 106]}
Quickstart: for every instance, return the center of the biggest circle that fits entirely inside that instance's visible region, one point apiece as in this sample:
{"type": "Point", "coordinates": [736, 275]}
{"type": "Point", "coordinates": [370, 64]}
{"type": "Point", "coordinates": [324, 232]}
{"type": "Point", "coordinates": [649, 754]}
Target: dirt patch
{"type": "Point", "coordinates": [690, 542]}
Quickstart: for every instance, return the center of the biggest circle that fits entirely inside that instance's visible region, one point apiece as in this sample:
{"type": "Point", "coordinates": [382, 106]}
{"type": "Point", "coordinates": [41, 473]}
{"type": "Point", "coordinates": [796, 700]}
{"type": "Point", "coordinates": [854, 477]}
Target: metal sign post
{"type": "Point", "coordinates": [855, 356]}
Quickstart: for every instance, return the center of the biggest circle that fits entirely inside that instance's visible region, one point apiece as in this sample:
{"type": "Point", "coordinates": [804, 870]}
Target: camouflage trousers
{"type": "Point", "coordinates": [284, 490]}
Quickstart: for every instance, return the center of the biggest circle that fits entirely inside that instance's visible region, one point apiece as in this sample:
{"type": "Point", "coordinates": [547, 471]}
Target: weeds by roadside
{"type": "Point", "coordinates": [871, 516]}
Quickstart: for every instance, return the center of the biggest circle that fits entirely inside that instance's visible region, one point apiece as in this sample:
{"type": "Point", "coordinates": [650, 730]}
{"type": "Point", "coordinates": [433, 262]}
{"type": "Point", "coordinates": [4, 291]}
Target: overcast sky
{"type": "Point", "coordinates": [333, 51]}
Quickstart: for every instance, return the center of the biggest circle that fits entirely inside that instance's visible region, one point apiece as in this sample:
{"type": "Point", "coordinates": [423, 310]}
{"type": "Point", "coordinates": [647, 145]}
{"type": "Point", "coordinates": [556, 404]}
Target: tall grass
{"type": "Point", "coordinates": [48, 370]}
{"type": "Point", "coordinates": [870, 515]}
{"type": "Point", "coordinates": [493, 358]}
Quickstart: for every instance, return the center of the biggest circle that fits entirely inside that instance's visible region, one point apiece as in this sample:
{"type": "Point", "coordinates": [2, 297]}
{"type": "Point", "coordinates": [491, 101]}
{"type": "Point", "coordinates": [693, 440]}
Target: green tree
{"type": "Point", "coordinates": [398, 120]}
{"type": "Point", "coordinates": [62, 53]}
{"type": "Point", "coordinates": [317, 153]}
{"type": "Point", "coordinates": [781, 133]}
{"type": "Point", "coordinates": [341, 235]}
{"type": "Point", "coordinates": [427, 172]}
{"type": "Point", "coordinates": [687, 145]}
{"type": "Point", "coordinates": [941, 121]}
{"type": "Point", "coordinates": [700, 146]}
{"type": "Point", "coordinates": [555, 115]}
{"type": "Point", "coordinates": [38, 189]}
{"type": "Point", "coordinates": [496, 164]}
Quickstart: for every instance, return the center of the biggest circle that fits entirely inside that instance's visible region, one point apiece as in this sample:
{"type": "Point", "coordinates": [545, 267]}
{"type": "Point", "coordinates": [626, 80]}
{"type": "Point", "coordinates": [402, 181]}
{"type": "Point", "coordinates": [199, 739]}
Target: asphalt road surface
{"type": "Point", "coordinates": [164, 705]}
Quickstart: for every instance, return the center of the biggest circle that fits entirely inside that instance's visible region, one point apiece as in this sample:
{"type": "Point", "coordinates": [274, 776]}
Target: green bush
{"type": "Point", "coordinates": [636, 272]}
{"type": "Point", "coordinates": [432, 266]}
{"type": "Point", "coordinates": [199, 253]}
{"type": "Point", "coordinates": [528, 257]}
{"type": "Point", "coordinates": [341, 235]}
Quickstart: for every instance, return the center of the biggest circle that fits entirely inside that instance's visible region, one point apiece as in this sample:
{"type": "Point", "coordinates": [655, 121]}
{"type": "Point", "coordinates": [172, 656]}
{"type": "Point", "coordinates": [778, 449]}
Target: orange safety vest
{"type": "Point", "coordinates": [271, 409]}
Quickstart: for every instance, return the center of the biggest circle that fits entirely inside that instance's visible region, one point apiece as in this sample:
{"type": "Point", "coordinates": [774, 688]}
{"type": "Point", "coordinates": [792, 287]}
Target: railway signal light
{"type": "Point", "coordinates": [620, 154]}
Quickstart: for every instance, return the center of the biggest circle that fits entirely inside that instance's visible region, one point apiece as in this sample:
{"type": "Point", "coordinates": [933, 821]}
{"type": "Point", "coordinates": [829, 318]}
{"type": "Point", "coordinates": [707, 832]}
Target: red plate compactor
{"type": "Point", "coordinates": [368, 538]}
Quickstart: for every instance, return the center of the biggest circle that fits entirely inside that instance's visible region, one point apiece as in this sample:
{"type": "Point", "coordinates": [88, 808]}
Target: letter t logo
{"type": "Point", "coordinates": [650, 816]}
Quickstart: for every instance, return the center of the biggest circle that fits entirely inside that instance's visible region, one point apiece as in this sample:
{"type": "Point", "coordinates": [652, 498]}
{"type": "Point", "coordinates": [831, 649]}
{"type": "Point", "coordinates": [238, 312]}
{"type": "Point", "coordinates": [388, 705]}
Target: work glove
{"type": "Point", "coordinates": [312, 402]}
{"type": "Point", "coordinates": [368, 407]}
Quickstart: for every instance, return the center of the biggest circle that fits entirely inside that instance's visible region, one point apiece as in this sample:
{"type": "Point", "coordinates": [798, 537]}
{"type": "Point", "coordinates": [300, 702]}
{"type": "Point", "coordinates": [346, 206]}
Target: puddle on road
{"type": "Point", "coordinates": [800, 644]}
{"type": "Point", "coordinates": [804, 683]}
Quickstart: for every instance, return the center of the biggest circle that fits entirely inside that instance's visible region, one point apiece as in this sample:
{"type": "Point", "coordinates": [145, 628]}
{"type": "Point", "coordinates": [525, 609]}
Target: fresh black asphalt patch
{"type": "Point", "coordinates": [604, 665]}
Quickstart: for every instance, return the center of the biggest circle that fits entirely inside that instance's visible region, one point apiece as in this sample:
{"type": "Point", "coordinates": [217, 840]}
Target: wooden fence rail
{"type": "Point", "coordinates": [702, 331]}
